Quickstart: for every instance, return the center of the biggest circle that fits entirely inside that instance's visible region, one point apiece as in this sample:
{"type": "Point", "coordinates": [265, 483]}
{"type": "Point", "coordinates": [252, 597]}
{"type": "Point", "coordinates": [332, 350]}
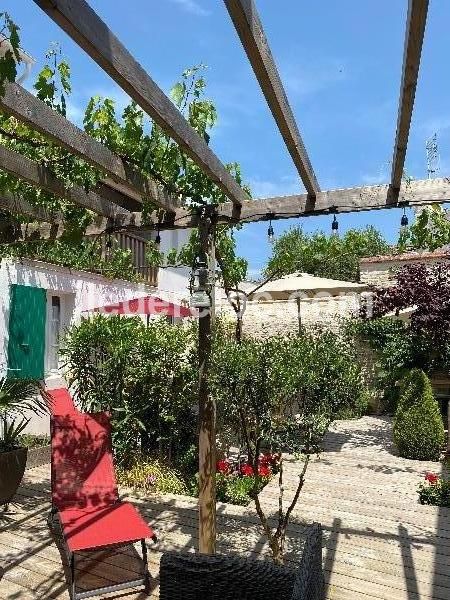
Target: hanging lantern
{"type": "Point", "coordinates": [270, 232]}
{"type": "Point", "coordinates": [404, 221]}
{"type": "Point", "coordinates": [335, 226]}
{"type": "Point", "coordinates": [200, 289]}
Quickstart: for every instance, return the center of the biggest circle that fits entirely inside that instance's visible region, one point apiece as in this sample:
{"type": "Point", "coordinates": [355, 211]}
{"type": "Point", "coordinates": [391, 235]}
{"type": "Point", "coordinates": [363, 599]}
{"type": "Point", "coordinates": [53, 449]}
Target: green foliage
{"type": "Point", "coordinates": [325, 255]}
{"type": "Point", "coordinates": [144, 144]}
{"type": "Point", "coordinates": [10, 31]}
{"type": "Point", "coordinates": [418, 427]}
{"type": "Point", "coordinates": [52, 87]}
{"type": "Point", "coordinates": [430, 230]}
{"type": "Point", "coordinates": [152, 475]}
{"type": "Point", "coordinates": [395, 351]}
{"type": "Point", "coordinates": [17, 396]}
{"type": "Point", "coordinates": [30, 440]}
{"type": "Point", "coordinates": [85, 255]}
{"type": "Point", "coordinates": [237, 490]}
{"type": "Point", "coordinates": [146, 376]}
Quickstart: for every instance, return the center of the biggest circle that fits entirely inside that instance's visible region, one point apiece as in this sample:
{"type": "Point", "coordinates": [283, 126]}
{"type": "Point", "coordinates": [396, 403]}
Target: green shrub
{"type": "Point", "coordinates": [236, 490]}
{"type": "Point", "coordinates": [418, 427]}
{"type": "Point", "coordinates": [152, 475]}
{"type": "Point", "coordinates": [145, 376]}
{"type": "Point", "coordinates": [29, 440]}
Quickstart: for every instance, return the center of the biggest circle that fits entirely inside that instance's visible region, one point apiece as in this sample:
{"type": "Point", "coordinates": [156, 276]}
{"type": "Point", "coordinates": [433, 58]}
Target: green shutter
{"type": "Point", "coordinates": [26, 345]}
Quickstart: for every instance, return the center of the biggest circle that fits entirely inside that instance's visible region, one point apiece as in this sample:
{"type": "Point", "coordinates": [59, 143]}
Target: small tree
{"type": "Point", "coordinates": [325, 255]}
{"type": "Point", "coordinates": [283, 393]}
{"type": "Point", "coordinates": [418, 428]}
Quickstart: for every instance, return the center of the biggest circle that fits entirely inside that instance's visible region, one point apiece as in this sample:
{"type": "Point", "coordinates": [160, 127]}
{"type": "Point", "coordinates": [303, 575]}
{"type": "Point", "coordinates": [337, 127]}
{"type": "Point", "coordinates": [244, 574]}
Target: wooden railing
{"type": "Point", "coordinates": [137, 246]}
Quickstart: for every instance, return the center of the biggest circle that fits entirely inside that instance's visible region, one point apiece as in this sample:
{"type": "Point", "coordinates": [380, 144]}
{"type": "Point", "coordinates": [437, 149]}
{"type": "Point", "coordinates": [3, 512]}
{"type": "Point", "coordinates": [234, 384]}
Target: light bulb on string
{"type": "Point", "coordinates": [404, 221]}
{"type": "Point", "coordinates": [270, 231]}
{"type": "Point", "coordinates": [335, 227]}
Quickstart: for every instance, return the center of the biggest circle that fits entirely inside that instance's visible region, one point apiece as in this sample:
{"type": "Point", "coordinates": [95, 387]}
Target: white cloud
{"type": "Point", "coordinates": [192, 7]}
{"type": "Point", "coordinates": [285, 186]}
{"type": "Point", "coordinates": [306, 79]}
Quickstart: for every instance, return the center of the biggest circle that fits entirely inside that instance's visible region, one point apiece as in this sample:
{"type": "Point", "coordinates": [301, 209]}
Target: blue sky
{"type": "Point", "coordinates": [341, 65]}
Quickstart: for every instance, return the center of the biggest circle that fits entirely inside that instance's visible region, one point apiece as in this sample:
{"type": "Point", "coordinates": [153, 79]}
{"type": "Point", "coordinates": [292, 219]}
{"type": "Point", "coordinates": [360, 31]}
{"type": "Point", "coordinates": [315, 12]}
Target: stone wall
{"type": "Point", "coordinates": [380, 270]}
{"type": "Point", "coordinates": [268, 318]}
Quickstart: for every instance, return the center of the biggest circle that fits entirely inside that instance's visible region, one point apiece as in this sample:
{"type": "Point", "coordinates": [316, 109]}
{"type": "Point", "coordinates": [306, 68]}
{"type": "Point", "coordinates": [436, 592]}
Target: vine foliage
{"type": "Point", "coordinates": [132, 135]}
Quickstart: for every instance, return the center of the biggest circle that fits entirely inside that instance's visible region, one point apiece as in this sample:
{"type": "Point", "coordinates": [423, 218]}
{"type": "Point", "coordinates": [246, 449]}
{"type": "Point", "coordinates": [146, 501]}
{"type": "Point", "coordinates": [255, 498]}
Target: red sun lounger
{"type": "Point", "coordinates": [85, 496]}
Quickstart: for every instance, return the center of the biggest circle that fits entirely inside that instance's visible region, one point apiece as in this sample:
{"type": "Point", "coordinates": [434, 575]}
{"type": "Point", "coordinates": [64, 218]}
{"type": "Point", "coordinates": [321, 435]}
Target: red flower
{"type": "Point", "coordinates": [265, 459]}
{"type": "Point", "coordinates": [223, 466]}
{"type": "Point", "coordinates": [247, 470]}
{"type": "Point", "coordinates": [431, 478]}
{"type": "Point", "coordinates": [264, 471]}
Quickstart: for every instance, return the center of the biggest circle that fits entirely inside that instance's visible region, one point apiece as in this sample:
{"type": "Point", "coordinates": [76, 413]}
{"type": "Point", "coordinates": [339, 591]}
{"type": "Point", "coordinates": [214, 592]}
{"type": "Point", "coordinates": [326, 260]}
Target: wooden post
{"type": "Point", "coordinates": [299, 310]}
{"type": "Point", "coordinates": [448, 428]}
{"type": "Point", "coordinates": [207, 405]}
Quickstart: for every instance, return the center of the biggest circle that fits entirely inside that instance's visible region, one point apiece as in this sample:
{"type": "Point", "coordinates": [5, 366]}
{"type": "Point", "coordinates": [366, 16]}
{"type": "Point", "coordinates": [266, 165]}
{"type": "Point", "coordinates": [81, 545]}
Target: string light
{"type": "Point", "coordinates": [404, 220]}
{"type": "Point", "coordinates": [270, 232]}
{"type": "Point", "coordinates": [335, 226]}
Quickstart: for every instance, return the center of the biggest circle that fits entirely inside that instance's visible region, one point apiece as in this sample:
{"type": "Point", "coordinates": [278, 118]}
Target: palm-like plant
{"type": "Point", "coordinates": [17, 396]}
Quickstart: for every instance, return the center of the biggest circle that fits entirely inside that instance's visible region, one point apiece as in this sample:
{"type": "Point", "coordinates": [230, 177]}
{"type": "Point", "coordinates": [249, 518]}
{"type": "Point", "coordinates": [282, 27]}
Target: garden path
{"type": "Point", "coordinates": [379, 543]}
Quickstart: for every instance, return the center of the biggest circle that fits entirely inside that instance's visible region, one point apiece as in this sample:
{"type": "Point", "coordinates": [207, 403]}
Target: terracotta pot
{"type": "Point", "coordinates": [12, 468]}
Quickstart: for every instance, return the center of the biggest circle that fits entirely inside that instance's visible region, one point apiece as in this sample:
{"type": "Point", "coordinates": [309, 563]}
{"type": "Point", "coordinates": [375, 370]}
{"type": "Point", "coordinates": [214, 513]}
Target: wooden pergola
{"type": "Point", "coordinates": [117, 200]}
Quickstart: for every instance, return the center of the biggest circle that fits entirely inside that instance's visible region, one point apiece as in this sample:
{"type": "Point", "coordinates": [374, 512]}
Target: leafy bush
{"type": "Point", "coordinates": [152, 475]}
{"type": "Point", "coordinates": [395, 351]}
{"type": "Point", "coordinates": [30, 440]}
{"type": "Point", "coordinates": [146, 377]}
{"type": "Point", "coordinates": [418, 427]}
{"type": "Point", "coordinates": [235, 490]}
{"type": "Point", "coordinates": [435, 491]}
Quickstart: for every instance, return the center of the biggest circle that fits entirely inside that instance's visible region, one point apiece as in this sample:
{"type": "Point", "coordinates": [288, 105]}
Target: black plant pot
{"type": "Point", "coordinates": [12, 468]}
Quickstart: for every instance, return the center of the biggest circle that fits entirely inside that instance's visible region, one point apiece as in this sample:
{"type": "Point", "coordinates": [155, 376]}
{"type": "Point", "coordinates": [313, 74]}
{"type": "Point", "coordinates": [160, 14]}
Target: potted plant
{"type": "Point", "coordinates": [17, 396]}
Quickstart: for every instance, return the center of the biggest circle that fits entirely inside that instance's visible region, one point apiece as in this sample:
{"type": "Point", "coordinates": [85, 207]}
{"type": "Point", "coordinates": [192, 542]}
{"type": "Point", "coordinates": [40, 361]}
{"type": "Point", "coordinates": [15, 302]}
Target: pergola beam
{"type": "Point", "coordinates": [251, 33]}
{"type": "Point", "coordinates": [16, 205]}
{"type": "Point", "coordinates": [86, 28]}
{"type": "Point", "coordinates": [357, 199]}
{"type": "Point", "coordinates": [40, 177]}
{"type": "Point", "coordinates": [28, 109]}
{"type": "Point", "coordinates": [415, 31]}
{"type": "Point", "coordinates": [49, 224]}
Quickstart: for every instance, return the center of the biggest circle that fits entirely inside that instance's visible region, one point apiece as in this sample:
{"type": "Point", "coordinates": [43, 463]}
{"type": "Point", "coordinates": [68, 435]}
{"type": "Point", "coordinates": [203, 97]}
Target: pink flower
{"type": "Point", "coordinates": [151, 479]}
{"type": "Point", "coordinates": [431, 478]}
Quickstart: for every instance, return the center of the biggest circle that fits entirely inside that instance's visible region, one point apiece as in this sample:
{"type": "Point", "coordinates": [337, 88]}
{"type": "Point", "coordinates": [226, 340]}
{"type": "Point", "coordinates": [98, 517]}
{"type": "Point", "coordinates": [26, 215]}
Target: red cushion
{"type": "Point", "coordinates": [119, 523]}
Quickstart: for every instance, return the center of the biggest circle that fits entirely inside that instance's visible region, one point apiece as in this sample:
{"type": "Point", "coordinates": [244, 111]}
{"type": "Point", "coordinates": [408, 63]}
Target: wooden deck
{"type": "Point", "coordinates": [379, 542]}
